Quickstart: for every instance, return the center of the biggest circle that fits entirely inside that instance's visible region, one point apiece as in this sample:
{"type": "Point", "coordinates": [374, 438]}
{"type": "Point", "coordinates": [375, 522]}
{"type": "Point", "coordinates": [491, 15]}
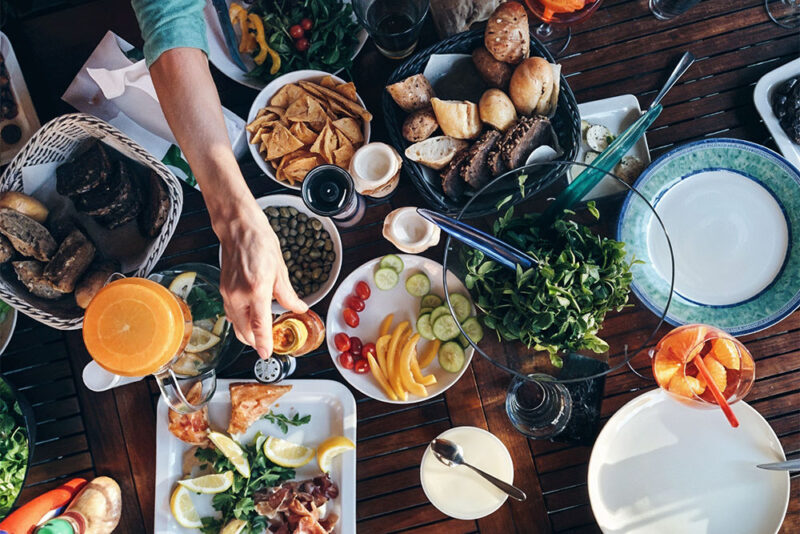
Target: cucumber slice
{"type": "Point", "coordinates": [438, 312]}
{"type": "Point", "coordinates": [461, 306]}
{"type": "Point", "coordinates": [431, 301]}
{"type": "Point", "coordinates": [473, 329]}
{"type": "Point", "coordinates": [445, 328]}
{"type": "Point", "coordinates": [424, 326]}
{"type": "Point", "coordinates": [392, 262]}
{"type": "Point", "coordinates": [423, 311]}
{"type": "Point", "coordinates": [386, 278]}
{"type": "Point", "coordinates": [418, 284]}
{"type": "Point", "coordinates": [463, 341]}
{"type": "Point", "coordinates": [451, 357]}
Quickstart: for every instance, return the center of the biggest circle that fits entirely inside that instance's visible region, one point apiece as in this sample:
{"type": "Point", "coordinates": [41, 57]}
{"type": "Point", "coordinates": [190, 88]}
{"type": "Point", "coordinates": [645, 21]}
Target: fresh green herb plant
{"type": "Point", "coordinates": [332, 39]}
{"type": "Point", "coordinates": [14, 448]}
{"type": "Point", "coordinates": [237, 501]}
{"type": "Point", "coordinates": [559, 304]}
{"type": "Point", "coordinates": [203, 305]}
{"type": "Point", "coordinates": [284, 422]}
{"type": "Point", "coordinates": [4, 309]}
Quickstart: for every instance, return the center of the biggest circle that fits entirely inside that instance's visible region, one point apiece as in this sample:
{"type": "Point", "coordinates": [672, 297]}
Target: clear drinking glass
{"type": "Point", "coordinates": [557, 16]}
{"type": "Point", "coordinates": [784, 13]}
{"type": "Point", "coordinates": [393, 24]}
{"type": "Point", "coordinates": [666, 9]}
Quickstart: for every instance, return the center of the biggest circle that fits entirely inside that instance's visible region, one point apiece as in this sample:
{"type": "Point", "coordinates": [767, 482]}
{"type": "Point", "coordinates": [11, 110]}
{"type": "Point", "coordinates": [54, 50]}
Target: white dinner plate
{"type": "Point", "coordinates": [333, 413]}
{"type": "Point", "coordinates": [660, 467]}
{"type": "Point", "coordinates": [762, 96]}
{"type": "Point", "coordinates": [405, 307]}
{"type": "Point", "coordinates": [220, 57]}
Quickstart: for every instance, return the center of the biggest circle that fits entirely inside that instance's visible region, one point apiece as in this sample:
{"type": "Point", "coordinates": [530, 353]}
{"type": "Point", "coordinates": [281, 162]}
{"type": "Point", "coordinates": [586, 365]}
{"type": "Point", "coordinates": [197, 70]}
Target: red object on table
{"type": "Point", "coordinates": [726, 408]}
{"type": "Point", "coordinates": [24, 519]}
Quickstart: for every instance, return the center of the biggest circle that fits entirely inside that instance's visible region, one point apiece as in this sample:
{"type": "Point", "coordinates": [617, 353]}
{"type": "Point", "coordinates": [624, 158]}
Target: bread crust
{"type": "Point", "coordinates": [507, 35]}
{"type": "Point", "coordinates": [495, 73]}
{"type": "Point", "coordinates": [497, 110]}
{"type": "Point", "coordinates": [420, 125]}
{"type": "Point", "coordinates": [413, 93]}
{"type": "Point", "coordinates": [532, 84]}
{"type": "Point", "coordinates": [457, 118]}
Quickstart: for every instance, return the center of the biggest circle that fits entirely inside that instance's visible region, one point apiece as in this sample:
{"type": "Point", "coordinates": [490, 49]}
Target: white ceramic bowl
{"type": "Point", "coordinates": [292, 201]}
{"type": "Point", "coordinates": [7, 329]}
{"type": "Point", "coordinates": [264, 97]}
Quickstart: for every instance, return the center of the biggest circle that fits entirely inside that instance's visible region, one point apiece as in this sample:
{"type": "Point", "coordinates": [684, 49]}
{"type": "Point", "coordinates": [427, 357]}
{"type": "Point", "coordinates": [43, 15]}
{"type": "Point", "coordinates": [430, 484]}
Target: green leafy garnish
{"type": "Point", "coordinates": [204, 306]}
{"type": "Point", "coordinates": [283, 422]}
{"type": "Point", "coordinates": [559, 304]}
{"type": "Point", "coordinates": [14, 448]}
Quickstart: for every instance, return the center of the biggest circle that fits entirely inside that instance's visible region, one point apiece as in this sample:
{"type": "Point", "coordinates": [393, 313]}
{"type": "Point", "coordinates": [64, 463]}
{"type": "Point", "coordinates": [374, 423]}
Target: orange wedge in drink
{"type": "Point", "coordinates": [686, 386]}
{"type": "Point", "coordinates": [726, 353]}
{"type": "Point", "coordinates": [717, 372]}
{"type": "Point", "coordinates": [664, 369]}
{"type": "Point", "coordinates": [133, 327]}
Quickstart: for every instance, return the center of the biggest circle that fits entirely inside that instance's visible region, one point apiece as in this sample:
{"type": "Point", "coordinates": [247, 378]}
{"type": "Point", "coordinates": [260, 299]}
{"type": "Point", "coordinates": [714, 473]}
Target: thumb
{"type": "Point", "coordinates": [285, 295]}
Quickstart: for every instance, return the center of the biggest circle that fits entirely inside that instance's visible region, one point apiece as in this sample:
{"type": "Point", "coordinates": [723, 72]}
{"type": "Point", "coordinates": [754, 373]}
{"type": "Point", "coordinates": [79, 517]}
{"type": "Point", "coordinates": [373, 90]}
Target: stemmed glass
{"type": "Point", "coordinates": [557, 16]}
{"type": "Point", "coordinates": [543, 396]}
{"type": "Point", "coordinates": [784, 13]}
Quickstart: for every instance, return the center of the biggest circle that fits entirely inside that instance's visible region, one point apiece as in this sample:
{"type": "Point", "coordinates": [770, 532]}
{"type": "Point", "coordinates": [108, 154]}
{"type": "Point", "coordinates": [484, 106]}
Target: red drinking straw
{"type": "Point", "coordinates": [726, 408]}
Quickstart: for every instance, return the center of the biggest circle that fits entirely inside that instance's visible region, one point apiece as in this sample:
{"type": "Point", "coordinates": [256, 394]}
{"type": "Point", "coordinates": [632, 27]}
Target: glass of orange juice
{"type": "Point", "coordinates": [138, 326]}
{"type": "Point", "coordinates": [727, 360]}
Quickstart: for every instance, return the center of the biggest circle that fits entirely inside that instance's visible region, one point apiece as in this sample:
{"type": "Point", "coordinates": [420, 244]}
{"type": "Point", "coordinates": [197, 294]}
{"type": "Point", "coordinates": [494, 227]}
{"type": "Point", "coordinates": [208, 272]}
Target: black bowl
{"type": "Point", "coordinates": [566, 123]}
{"type": "Point", "coordinates": [9, 393]}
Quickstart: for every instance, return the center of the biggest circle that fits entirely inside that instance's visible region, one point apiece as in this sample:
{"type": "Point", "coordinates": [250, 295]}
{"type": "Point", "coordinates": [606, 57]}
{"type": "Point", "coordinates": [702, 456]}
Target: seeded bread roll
{"type": "Point", "coordinates": [494, 73]}
{"type": "Point", "coordinates": [457, 118]}
{"type": "Point", "coordinates": [420, 125]}
{"type": "Point", "coordinates": [507, 35]}
{"type": "Point", "coordinates": [413, 93]}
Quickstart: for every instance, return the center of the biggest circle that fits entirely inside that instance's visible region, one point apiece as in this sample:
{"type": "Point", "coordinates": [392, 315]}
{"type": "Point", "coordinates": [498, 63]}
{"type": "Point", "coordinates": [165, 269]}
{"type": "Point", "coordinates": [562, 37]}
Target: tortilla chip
{"type": "Point", "coordinates": [351, 128]}
{"type": "Point", "coordinates": [258, 122]}
{"type": "Point", "coordinates": [304, 133]}
{"type": "Point", "coordinates": [343, 154]}
{"type": "Point", "coordinates": [326, 143]}
{"type": "Point", "coordinates": [348, 90]}
{"type": "Point", "coordinates": [297, 169]}
{"type": "Point", "coordinates": [286, 95]}
{"type": "Point", "coordinates": [340, 110]}
{"type": "Point", "coordinates": [328, 82]}
{"type": "Point", "coordinates": [306, 109]}
{"type": "Point", "coordinates": [332, 96]}
{"type": "Point", "coordinates": [281, 142]}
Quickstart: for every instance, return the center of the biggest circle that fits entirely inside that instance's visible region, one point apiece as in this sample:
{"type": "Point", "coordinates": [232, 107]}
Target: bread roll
{"type": "Point", "coordinates": [25, 204]}
{"type": "Point", "coordinates": [507, 35]}
{"type": "Point", "coordinates": [494, 73]}
{"type": "Point", "coordinates": [497, 110]}
{"type": "Point", "coordinates": [532, 87]}
{"type": "Point", "coordinates": [435, 152]}
{"type": "Point", "coordinates": [457, 118]}
{"type": "Point", "coordinates": [420, 125]}
{"type": "Point", "coordinates": [93, 281]}
{"type": "Point", "coordinates": [413, 93]}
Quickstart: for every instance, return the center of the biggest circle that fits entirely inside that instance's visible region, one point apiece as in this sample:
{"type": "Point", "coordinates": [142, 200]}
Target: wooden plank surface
{"type": "Point", "coordinates": [620, 49]}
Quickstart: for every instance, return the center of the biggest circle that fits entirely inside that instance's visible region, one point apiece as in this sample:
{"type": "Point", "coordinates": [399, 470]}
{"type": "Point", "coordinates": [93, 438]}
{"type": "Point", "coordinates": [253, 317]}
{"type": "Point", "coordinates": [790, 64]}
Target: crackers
{"type": "Point", "coordinates": [307, 124]}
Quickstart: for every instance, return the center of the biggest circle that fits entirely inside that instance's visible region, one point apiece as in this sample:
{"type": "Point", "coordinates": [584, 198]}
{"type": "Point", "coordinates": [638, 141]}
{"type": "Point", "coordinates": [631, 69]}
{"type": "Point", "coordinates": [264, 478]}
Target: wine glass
{"type": "Point", "coordinates": [547, 390]}
{"type": "Point", "coordinates": [556, 17]}
{"type": "Point", "coordinates": [784, 13]}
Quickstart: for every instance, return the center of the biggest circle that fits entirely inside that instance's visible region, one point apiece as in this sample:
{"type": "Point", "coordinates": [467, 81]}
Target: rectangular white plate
{"type": "Point", "coordinates": [27, 119]}
{"type": "Point", "coordinates": [762, 96]}
{"type": "Point", "coordinates": [616, 114]}
{"type": "Point", "coordinates": [333, 413]}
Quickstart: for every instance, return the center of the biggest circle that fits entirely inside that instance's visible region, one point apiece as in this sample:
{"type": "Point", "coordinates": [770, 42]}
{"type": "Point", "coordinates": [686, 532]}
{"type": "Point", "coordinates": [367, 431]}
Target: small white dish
{"type": "Point", "coordinates": [659, 466]}
{"type": "Point", "coordinates": [762, 96]}
{"type": "Point", "coordinates": [409, 231]}
{"type": "Point", "coordinates": [292, 201]}
{"type": "Point", "coordinates": [405, 307]}
{"type": "Point", "coordinates": [7, 329]}
{"type": "Point", "coordinates": [375, 169]}
{"type": "Point", "coordinates": [27, 120]}
{"type": "Point", "coordinates": [264, 97]}
{"type": "Point", "coordinates": [616, 114]}
{"type": "Point", "coordinates": [459, 492]}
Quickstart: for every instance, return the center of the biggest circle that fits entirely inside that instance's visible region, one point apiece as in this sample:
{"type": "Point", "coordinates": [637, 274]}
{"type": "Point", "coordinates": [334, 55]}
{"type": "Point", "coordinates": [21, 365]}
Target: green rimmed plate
{"type": "Point", "coordinates": [732, 212]}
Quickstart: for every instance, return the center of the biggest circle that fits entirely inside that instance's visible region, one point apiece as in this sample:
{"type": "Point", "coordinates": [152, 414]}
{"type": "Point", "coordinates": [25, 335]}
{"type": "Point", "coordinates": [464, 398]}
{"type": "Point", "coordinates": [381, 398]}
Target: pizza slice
{"type": "Point", "coordinates": [191, 427]}
{"type": "Point", "coordinates": [251, 401]}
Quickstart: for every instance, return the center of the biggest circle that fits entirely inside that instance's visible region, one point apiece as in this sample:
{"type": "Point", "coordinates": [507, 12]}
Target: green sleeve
{"type": "Point", "coordinates": [167, 24]}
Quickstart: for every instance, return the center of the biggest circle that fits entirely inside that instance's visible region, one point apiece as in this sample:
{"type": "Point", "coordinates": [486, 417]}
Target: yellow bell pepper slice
{"type": "Point", "coordinates": [239, 16]}
{"type": "Point", "coordinates": [373, 365]}
{"type": "Point", "coordinates": [381, 348]}
{"type": "Point", "coordinates": [404, 368]}
{"type": "Point", "coordinates": [257, 25]}
{"type": "Point", "coordinates": [430, 354]}
{"type": "Point", "coordinates": [386, 324]}
{"type": "Point", "coordinates": [428, 380]}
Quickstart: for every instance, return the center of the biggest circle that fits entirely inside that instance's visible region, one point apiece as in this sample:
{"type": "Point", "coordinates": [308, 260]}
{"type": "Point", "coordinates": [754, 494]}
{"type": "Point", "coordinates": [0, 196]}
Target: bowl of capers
{"type": "Point", "coordinates": [311, 247]}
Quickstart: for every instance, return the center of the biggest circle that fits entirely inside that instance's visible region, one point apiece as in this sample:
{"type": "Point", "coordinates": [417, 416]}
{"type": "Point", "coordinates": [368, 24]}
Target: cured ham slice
{"type": "Point", "coordinates": [294, 507]}
{"type": "Point", "coordinates": [191, 427]}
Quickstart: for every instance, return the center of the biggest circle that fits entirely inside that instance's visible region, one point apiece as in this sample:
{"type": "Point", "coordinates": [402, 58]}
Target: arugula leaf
{"type": "Point", "coordinates": [14, 447]}
{"type": "Point", "coordinates": [283, 422]}
{"type": "Point", "coordinates": [204, 306]}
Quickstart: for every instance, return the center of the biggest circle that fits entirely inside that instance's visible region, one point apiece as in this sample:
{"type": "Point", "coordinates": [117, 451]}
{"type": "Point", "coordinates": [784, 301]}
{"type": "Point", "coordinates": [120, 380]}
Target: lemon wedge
{"type": "Point", "coordinates": [232, 451]}
{"type": "Point", "coordinates": [201, 340]}
{"type": "Point", "coordinates": [182, 284]}
{"type": "Point", "coordinates": [234, 526]}
{"type": "Point", "coordinates": [287, 454]}
{"type": "Point", "coordinates": [219, 326]}
{"type": "Point", "coordinates": [183, 509]}
{"type": "Point", "coordinates": [331, 448]}
{"type": "Point", "coordinates": [209, 483]}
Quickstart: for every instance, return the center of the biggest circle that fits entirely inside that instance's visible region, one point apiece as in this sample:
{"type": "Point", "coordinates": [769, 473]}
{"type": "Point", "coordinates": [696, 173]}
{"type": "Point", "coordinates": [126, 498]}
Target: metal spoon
{"type": "Point", "coordinates": [450, 453]}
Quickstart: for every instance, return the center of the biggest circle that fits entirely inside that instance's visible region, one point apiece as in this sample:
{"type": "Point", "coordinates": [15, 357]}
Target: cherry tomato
{"type": "Point", "coordinates": [356, 303]}
{"type": "Point", "coordinates": [350, 318]}
{"type": "Point", "coordinates": [362, 290]}
{"type": "Point", "coordinates": [356, 348]}
{"type": "Point", "coordinates": [301, 44]}
{"type": "Point", "coordinates": [367, 349]}
{"type": "Point", "coordinates": [306, 24]}
{"type": "Point", "coordinates": [342, 342]}
{"type": "Point", "coordinates": [361, 366]}
{"type": "Point", "coordinates": [346, 360]}
{"type": "Point", "coordinates": [296, 31]}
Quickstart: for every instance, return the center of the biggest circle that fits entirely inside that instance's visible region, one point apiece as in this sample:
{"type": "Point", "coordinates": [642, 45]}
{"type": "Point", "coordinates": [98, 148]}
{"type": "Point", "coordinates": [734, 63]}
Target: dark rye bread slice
{"type": "Point", "coordinates": [126, 209]}
{"type": "Point", "coordinates": [493, 159]}
{"type": "Point", "coordinates": [30, 274]}
{"type": "Point", "coordinates": [532, 133]}
{"type": "Point", "coordinates": [475, 170]}
{"type": "Point", "coordinates": [452, 184]}
{"type": "Point", "coordinates": [99, 201]}
{"type": "Point", "coordinates": [155, 208]}
{"type": "Point", "coordinates": [85, 172]}
{"type": "Point", "coordinates": [73, 257]}
{"type": "Point", "coordinates": [27, 236]}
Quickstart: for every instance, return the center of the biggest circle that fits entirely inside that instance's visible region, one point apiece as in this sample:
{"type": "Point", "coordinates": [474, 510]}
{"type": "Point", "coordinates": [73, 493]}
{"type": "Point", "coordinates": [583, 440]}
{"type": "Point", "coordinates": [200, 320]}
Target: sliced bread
{"type": "Point", "coordinates": [435, 152]}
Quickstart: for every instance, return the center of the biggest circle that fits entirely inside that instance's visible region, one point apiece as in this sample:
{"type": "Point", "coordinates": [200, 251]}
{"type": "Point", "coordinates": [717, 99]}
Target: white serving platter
{"type": "Point", "coordinates": [27, 119]}
{"type": "Point", "coordinates": [762, 96]}
{"type": "Point", "coordinates": [333, 413]}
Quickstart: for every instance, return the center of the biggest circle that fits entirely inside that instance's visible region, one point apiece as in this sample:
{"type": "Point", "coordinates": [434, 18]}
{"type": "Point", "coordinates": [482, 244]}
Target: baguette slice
{"type": "Point", "coordinates": [457, 118]}
{"type": "Point", "coordinates": [435, 152]}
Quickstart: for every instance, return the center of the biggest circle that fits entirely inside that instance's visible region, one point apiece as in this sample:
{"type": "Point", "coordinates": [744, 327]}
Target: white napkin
{"type": "Point", "coordinates": [119, 91]}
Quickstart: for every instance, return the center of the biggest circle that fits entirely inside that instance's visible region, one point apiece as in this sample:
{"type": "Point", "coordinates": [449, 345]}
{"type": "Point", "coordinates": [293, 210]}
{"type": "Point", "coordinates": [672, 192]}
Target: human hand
{"type": "Point", "coordinates": [252, 272]}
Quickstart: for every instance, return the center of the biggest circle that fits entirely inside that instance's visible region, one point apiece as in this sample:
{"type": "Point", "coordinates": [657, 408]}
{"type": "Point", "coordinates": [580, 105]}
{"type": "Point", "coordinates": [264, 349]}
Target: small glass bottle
{"type": "Point", "coordinates": [329, 191]}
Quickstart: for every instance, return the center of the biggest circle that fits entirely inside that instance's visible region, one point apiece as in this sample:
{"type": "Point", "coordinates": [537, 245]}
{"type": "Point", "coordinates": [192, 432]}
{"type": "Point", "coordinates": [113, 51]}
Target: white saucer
{"type": "Point", "coordinates": [661, 467]}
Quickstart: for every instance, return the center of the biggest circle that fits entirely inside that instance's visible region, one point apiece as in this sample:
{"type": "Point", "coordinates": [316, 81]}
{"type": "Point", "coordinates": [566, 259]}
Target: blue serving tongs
{"type": "Point", "coordinates": [496, 249]}
{"type": "Point", "coordinates": [603, 163]}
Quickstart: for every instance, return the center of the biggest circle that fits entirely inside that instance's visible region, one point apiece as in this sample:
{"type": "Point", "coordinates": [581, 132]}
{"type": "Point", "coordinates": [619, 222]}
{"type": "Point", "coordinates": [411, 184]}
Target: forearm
{"type": "Point", "coordinates": [191, 105]}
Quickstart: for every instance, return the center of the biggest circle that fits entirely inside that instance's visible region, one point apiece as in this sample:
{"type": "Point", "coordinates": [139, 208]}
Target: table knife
{"type": "Point", "coordinates": [790, 465]}
{"type": "Point", "coordinates": [228, 32]}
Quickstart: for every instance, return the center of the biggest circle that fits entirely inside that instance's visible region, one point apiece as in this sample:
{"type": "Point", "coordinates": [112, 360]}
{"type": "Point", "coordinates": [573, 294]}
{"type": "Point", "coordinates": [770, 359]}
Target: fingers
{"type": "Point", "coordinates": [261, 325]}
{"type": "Point", "coordinates": [237, 314]}
{"type": "Point", "coordinates": [285, 295]}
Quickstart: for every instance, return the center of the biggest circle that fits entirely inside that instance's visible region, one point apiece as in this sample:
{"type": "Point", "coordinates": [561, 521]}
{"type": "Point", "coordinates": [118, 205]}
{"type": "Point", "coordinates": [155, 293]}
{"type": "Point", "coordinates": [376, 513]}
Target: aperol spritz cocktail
{"type": "Point", "coordinates": [728, 362]}
{"type": "Point", "coordinates": [562, 11]}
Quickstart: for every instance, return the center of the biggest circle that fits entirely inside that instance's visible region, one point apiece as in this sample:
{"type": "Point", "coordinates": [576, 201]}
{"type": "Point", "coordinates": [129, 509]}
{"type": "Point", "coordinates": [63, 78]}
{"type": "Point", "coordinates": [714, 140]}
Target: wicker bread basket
{"type": "Point", "coordinates": [57, 141]}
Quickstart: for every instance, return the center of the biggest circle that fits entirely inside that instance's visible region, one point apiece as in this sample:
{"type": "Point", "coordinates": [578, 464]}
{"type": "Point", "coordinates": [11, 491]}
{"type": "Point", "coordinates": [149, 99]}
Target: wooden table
{"type": "Point", "coordinates": [620, 49]}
